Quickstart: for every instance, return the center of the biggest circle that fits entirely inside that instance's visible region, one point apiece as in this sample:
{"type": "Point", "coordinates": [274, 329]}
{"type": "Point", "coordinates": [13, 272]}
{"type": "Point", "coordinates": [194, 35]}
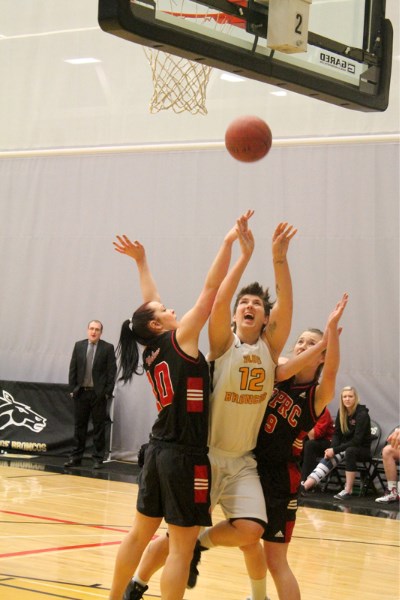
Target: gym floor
{"type": "Point", "coordinates": [61, 529]}
{"type": "Point", "coordinates": [127, 472]}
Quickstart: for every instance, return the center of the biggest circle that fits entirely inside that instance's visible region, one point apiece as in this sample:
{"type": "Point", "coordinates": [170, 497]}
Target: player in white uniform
{"type": "Point", "coordinates": [243, 361]}
{"type": "Point", "coordinates": [242, 382]}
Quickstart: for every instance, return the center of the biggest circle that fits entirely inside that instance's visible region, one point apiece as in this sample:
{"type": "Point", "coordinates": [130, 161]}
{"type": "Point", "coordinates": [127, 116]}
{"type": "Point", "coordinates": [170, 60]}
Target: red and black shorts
{"type": "Point", "coordinates": [280, 483]}
{"type": "Point", "coordinates": [175, 484]}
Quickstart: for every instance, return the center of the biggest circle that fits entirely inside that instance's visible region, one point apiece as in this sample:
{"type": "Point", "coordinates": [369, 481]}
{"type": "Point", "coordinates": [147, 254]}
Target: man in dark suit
{"type": "Point", "coordinates": [92, 374]}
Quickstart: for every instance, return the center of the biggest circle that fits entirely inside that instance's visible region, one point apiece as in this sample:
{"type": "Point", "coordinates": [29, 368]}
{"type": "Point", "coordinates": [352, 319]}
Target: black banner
{"type": "Point", "coordinates": [37, 418]}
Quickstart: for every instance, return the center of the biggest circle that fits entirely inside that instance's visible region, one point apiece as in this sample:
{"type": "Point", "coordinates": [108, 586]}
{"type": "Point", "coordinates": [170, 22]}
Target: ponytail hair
{"type": "Point", "coordinates": [135, 332]}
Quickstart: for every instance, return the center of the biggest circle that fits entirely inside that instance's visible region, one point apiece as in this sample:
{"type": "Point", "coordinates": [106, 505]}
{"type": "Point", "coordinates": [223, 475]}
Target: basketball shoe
{"type": "Point", "coordinates": [390, 496]}
{"type": "Point", "coordinates": [193, 570]}
{"type": "Point", "coordinates": [343, 495]}
{"type": "Point", "coordinates": [134, 591]}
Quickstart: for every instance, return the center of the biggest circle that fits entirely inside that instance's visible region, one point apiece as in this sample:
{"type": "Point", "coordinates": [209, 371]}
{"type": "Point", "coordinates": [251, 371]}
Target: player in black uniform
{"type": "Point", "coordinates": [299, 398]}
{"type": "Point", "coordinates": [175, 480]}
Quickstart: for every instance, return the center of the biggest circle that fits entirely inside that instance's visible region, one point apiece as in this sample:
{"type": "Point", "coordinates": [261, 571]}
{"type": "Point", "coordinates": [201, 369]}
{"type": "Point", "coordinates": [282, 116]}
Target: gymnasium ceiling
{"type": "Point", "coordinates": [47, 101]}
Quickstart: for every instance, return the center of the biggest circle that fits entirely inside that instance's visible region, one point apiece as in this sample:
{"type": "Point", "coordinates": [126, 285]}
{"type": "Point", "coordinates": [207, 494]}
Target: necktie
{"type": "Point", "coordinates": [88, 381]}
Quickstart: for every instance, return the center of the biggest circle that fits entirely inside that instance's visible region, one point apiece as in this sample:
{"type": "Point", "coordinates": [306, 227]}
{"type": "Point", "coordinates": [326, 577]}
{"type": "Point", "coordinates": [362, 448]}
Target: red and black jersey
{"type": "Point", "coordinates": [288, 418]}
{"type": "Point", "coordinates": [180, 384]}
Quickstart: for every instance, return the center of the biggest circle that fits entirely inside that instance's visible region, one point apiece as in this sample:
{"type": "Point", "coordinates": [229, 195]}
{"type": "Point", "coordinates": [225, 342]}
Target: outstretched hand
{"type": "Point", "coordinates": [245, 235]}
{"type": "Point", "coordinates": [280, 241]}
{"type": "Point", "coordinates": [334, 317]}
{"type": "Point", "coordinates": [133, 249]}
{"type": "Point", "coordinates": [233, 234]}
{"type": "Point", "coordinates": [337, 312]}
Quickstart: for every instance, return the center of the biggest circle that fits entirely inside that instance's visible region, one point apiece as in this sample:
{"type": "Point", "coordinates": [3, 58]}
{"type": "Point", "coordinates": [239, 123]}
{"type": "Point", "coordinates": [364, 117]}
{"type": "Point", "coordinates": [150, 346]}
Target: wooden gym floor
{"type": "Point", "coordinates": [60, 533]}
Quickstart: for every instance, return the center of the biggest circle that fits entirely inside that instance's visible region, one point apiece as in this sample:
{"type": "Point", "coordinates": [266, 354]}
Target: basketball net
{"type": "Point", "coordinates": [178, 83]}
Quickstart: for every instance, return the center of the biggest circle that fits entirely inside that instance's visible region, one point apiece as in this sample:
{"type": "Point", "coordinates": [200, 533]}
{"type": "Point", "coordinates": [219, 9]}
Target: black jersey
{"type": "Point", "coordinates": [180, 384]}
{"type": "Point", "coordinates": [359, 430]}
{"type": "Point", "coordinates": [288, 418]}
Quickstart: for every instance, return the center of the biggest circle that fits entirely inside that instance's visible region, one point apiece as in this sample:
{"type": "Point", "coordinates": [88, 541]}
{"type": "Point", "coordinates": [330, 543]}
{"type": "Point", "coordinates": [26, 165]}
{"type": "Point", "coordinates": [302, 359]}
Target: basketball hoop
{"type": "Point", "coordinates": [180, 84]}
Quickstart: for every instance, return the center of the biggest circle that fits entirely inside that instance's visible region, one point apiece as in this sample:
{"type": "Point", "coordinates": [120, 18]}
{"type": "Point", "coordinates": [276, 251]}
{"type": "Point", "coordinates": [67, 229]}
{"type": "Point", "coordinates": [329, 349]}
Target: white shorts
{"type": "Point", "coordinates": [236, 487]}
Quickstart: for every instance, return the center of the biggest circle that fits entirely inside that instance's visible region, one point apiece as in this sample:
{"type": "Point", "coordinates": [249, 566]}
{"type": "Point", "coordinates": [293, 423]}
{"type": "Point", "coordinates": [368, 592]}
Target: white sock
{"type": "Point", "coordinates": [204, 539]}
{"type": "Point", "coordinates": [138, 580]}
{"type": "Point", "coordinates": [258, 589]}
{"type": "Point", "coordinates": [391, 485]}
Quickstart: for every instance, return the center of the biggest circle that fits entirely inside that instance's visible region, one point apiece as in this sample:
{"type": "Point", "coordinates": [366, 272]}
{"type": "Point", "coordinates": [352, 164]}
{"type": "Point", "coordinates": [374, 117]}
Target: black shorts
{"type": "Point", "coordinates": [281, 521]}
{"type": "Point", "coordinates": [280, 483]}
{"type": "Point", "coordinates": [175, 484]}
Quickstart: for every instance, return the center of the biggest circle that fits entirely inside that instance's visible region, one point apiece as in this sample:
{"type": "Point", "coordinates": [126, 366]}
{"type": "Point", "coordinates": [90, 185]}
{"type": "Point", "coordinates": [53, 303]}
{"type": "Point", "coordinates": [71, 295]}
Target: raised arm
{"type": "Point", "coordinates": [326, 389]}
{"type": "Point", "coordinates": [292, 366]}
{"type": "Point", "coordinates": [280, 319]}
{"type": "Point", "coordinates": [330, 343]}
{"type": "Point", "coordinates": [136, 251]}
{"type": "Point", "coordinates": [220, 324]}
{"type": "Point", "coordinates": [194, 320]}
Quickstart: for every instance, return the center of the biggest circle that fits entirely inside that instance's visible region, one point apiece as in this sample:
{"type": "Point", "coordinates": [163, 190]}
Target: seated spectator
{"type": "Point", "coordinates": [391, 456]}
{"type": "Point", "coordinates": [394, 439]}
{"type": "Point", "coordinates": [319, 439]}
{"type": "Point", "coordinates": [351, 442]}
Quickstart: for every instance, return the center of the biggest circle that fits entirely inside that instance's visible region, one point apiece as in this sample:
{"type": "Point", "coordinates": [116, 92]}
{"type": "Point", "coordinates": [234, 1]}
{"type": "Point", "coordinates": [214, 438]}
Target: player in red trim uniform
{"type": "Point", "coordinates": [298, 400]}
{"type": "Point", "coordinates": [244, 372]}
{"type": "Point", "coordinates": [174, 482]}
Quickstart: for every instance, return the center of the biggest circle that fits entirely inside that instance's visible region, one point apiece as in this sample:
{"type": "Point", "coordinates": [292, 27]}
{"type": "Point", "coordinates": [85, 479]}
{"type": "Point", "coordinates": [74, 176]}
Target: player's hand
{"type": "Point", "coordinates": [245, 235]}
{"type": "Point", "coordinates": [232, 235]}
{"type": "Point", "coordinates": [334, 317]}
{"type": "Point", "coordinates": [280, 241]}
{"type": "Point", "coordinates": [338, 310]}
{"type": "Point", "coordinates": [133, 249]}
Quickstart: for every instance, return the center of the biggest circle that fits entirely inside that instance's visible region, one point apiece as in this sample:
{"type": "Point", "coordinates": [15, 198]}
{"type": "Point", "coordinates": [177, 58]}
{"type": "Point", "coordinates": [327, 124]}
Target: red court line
{"type": "Point", "coordinates": [60, 548]}
{"type": "Point", "coordinates": [57, 549]}
{"type": "Point", "coordinates": [65, 521]}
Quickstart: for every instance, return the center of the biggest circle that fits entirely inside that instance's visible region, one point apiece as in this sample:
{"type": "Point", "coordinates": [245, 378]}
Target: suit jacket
{"type": "Point", "coordinates": [104, 368]}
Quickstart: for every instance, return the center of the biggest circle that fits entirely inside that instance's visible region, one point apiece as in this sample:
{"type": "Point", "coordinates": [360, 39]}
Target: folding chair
{"type": "Point", "coordinates": [337, 476]}
{"type": "Point", "coordinates": [366, 466]}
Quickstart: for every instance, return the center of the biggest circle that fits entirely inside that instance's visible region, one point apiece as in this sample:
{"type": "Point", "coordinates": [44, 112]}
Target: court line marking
{"type": "Point", "coordinates": [60, 548]}
{"type": "Point", "coordinates": [347, 541]}
{"type": "Point", "coordinates": [64, 521]}
{"type": "Point", "coordinates": [41, 592]}
{"type": "Point", "coordinates": [57, 549]}
{"type": "Point", "coordinates": [37, 580]}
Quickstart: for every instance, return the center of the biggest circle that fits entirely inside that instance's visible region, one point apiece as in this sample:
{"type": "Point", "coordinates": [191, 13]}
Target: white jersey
{"type": "Point", "coordinates": [242, 380]}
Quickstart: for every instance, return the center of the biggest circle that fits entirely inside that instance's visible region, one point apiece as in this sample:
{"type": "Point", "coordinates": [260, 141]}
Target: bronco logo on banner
{"type": "Point", "coordinates": [18, 414]}
{"type": "Point", "coordinates": [36, 418]}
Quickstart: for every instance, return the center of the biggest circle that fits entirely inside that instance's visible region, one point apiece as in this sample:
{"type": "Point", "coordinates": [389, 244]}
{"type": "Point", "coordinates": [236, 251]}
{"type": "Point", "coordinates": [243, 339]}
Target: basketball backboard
{"type": "Point", "coordinates": [345, 60]}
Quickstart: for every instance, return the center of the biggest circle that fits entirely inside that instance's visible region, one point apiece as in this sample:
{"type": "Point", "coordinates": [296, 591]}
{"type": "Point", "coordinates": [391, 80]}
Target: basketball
{"type": "Point", "coordinates": [248, 139]}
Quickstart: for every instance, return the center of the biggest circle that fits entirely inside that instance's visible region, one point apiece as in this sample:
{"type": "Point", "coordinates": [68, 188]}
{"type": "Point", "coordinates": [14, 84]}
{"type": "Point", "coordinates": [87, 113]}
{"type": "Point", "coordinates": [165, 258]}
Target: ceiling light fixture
{"type": "Point", "coordinates": [231, 77]}
{"type": "Point", "coordinates": [82, 61]}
